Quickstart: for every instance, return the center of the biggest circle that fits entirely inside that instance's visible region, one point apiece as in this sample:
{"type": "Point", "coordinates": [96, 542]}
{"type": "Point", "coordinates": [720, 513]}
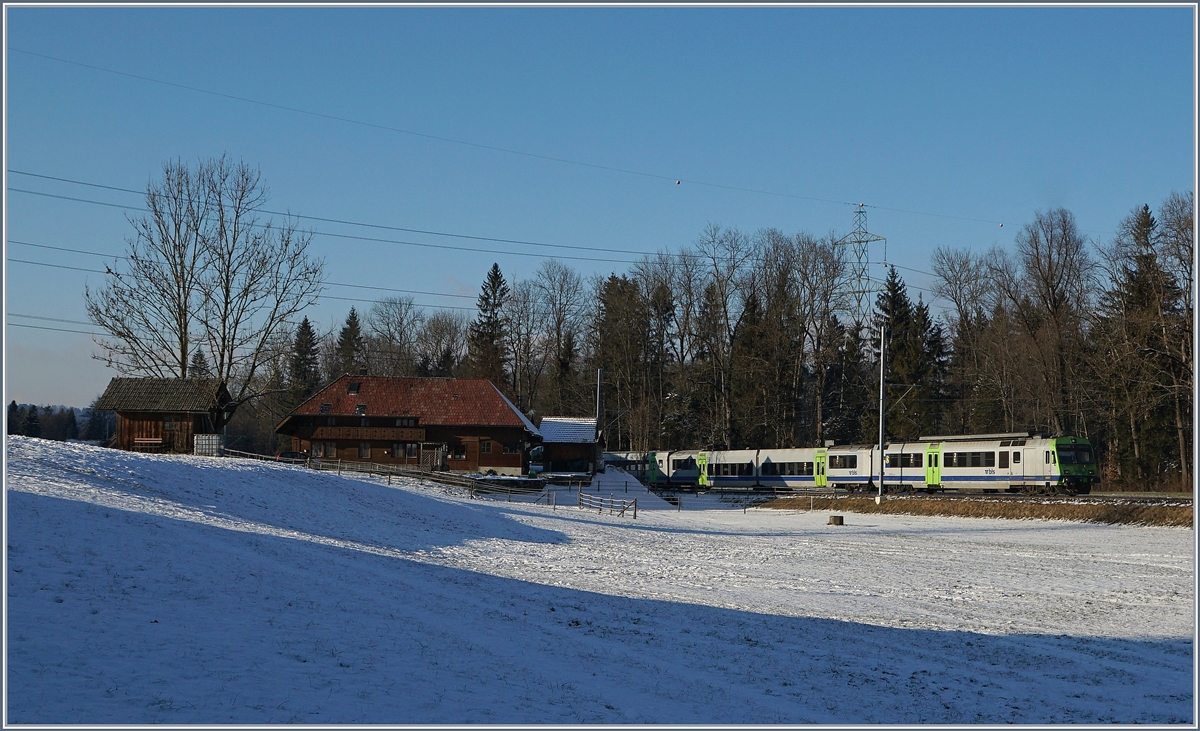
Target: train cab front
{"type": "Point", "coordinates": [1076, 465]}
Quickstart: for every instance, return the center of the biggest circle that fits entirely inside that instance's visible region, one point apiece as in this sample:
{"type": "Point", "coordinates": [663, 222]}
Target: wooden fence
{"type": "Point", "coordinates": [616, 506]}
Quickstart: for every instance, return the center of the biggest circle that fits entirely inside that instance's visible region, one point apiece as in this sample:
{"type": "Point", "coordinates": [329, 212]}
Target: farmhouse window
{"type": "Point", "coordinates": [406, 423]}
{"type": "Point", "coordinates": [353, 390]}
{"type": "Point", "coordinates": [512, 447]}
{"type": "Point", "coordinates": [459, 452]}
{"type": "Point", "coordinates": [364, 450]}
{"type": "Point", "coordinates": [410, 449]}
{"type": "Point", "coordinates": [485, 446]}
{"type": "Point", "coordinates": [326, 408]}
{"type": "Point", "coordinates": [360, 410]}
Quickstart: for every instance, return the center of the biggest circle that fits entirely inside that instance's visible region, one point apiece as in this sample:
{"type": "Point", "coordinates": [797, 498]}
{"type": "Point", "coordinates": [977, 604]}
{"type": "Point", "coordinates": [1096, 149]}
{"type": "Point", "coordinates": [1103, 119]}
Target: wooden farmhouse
{"type": "Point", "coordinates": [569, 444]}
{"type": "Point", "coordinates": [164, 414]}
{"type": "Point", "coordinates": [461, 425]}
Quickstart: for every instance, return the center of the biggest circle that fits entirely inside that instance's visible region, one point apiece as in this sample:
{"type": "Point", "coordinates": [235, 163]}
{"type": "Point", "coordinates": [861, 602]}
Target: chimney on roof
{"type": "Point", "coordinates": [362, 371]}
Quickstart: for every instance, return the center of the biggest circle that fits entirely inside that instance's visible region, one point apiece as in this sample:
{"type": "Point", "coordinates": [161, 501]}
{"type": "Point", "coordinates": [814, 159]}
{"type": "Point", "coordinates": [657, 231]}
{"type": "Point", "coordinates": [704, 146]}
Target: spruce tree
{"type": "Point", "coordinates": [70, 426]}
{"type": "Point", "coordinates": [198, 368]}
{"type": "Point", "coordinates": [15, 418]}
{"type": "Point", "coordinates": [486, 339]}
{"type": "Point", "coordinates": [350, 347]}
{"type": "Point", "coordinates": [304, 371]}
{"type": "Point", "coordinates": [32, 427]}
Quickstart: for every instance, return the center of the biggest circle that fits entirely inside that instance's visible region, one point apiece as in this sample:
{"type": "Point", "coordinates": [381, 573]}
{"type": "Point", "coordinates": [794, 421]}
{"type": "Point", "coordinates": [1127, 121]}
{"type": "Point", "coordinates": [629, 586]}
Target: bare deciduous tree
{"type": "Point", "coordinates": [394, 323]}
{"type": "Point", "coordinates": [150, 309]}
{"type": "Point", "coordinates": [203, 268]}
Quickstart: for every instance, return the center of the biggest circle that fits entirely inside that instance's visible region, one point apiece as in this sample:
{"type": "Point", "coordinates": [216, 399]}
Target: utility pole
{"type": "Point", "coordinates": [882, 373]}
{"type": "Point", "coordinates": [598, 412]}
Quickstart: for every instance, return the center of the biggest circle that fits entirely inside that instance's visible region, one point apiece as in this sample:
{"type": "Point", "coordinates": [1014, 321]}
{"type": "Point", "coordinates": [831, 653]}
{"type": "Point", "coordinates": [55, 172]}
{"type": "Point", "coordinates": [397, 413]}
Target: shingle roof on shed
{"type": "Point", "coordinates": [568, 430]}
{"type": "Point", "coordinates": [172, 395]}
{"type": "Point", "coordinates": [440, 401]}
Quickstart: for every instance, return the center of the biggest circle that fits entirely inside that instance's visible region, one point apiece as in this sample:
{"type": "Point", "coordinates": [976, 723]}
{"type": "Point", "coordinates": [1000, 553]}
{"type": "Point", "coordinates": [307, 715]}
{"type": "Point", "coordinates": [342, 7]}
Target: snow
{"type": "Point", "coordinates": [568, 429]}
{"type": "Point", "coordinates": [164, 589]}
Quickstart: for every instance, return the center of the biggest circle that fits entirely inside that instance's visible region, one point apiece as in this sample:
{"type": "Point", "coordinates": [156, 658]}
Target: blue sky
{"type": "Point", "coordinates": [986, 114]}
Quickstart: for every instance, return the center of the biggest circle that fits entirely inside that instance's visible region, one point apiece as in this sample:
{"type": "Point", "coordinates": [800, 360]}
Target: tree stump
{"type": "Point", "coordinates": [836, 520]}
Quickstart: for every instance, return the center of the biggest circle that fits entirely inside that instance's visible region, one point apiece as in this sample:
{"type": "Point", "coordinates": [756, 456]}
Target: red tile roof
{"type": "Point", "coordinates": [434, 401]}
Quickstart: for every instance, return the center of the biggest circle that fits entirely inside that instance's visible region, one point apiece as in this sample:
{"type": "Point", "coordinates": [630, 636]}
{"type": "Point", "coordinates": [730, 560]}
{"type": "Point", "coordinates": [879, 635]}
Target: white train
{"type": "Point", "coordinates": [1020, 462]}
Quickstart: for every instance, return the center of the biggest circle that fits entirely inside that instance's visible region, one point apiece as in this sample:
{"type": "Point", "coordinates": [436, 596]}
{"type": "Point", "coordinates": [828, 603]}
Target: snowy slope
{"type": "Point", "coordinates": [148, 589]}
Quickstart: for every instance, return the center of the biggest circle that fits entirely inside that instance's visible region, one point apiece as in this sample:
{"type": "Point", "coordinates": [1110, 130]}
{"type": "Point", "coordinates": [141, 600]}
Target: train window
{"type": "Point", "coordinates": [746, 469]}
{"type": "Point", "coordinates": [903, 460]}
{"type": "Point", "coordinates": [1016, 458]}
{"type": "Point", "coordinates": [843, 461]}
{"type": "Point", "coordinates": [1047, 458]}
{"type": "Point", "coordinates": [1018, 443]}
{"type": "Point", "coordinates": [1074, 455]}
{"type": "Point", "coordinates": [989, 459]}
{"type": "Point", "coordinates": [976, 459]}
{"type": "Point", "coordinates": [806, 468]}
{"type": "Point", "coordinates": [1003, 459]}
{"type": "Point", "coordinates": [770, 468]}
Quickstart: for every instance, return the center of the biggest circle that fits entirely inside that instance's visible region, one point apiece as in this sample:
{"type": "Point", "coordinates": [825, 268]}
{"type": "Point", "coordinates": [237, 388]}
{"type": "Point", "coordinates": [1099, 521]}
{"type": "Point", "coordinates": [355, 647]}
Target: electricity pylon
{"type": "Point", "coordinates": [860, 280]}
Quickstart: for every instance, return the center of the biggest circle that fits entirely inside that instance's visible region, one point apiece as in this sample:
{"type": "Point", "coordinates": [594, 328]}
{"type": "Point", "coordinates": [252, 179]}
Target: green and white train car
{"type": "Point", "coordinates": [1020, 462]}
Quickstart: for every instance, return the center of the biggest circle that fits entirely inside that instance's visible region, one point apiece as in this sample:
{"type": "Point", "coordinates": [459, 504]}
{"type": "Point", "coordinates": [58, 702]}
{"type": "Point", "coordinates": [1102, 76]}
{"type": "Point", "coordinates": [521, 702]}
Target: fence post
{"type": "Point", "coordinates": [339, 468]}
{"type": "Point", "coordinates": [626, 487]}
{"type": "Point", "coordinates": [389, 479]}
{"type": "Point", "coordinates": [554, 501]}
{"type": "Point", "coordinates": [635, 508]}
{"type": "Point", "coordinates": [678, 503]}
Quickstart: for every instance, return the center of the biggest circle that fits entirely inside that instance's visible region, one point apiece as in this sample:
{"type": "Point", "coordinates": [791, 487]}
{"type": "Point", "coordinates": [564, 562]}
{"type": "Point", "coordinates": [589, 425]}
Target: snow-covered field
{"type": "Point", "coordinates": [147, 589]}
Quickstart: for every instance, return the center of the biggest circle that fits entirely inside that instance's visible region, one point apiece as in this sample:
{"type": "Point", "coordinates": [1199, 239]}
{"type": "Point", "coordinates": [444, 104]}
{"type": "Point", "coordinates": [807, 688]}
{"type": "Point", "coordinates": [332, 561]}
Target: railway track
{"type": "Point", "coordinates": [1164, 499]}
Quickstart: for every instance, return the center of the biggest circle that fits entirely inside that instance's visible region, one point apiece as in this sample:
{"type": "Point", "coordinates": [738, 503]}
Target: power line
{"type": "Point", "coordinates": [399, 130]}
{"type": "Point", "coordinates": [52, 319]}
{"type": "Point", "coordinates": [332, 284]}
{"type": "Point", "coordinates": [493, 148]}
{"type": "Point", "coordinates": [55, 329]}
{"type": "Point", "coordinates": [359, 223]}
{"type": "Point", "coordinates": [57, 266]}
{"type": "Point", "coordinates": [366, 238]}
{"type": "Point", "coordinates": [371, 225]}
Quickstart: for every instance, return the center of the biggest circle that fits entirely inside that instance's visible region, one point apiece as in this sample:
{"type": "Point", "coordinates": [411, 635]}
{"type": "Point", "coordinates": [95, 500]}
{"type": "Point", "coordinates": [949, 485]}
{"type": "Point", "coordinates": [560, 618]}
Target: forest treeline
{"type": "Point", "coordinates": [59, 423]}
{"type": "Point", "coordinates": [743, 340]}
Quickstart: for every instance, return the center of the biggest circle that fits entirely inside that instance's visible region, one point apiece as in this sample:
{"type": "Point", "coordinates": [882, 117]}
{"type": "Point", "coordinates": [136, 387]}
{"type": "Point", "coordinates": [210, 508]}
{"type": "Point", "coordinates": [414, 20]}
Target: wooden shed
{"type": "Point", "coordinates": [570, 444]}
{"type": "Point", "coordinates": [164, 414]}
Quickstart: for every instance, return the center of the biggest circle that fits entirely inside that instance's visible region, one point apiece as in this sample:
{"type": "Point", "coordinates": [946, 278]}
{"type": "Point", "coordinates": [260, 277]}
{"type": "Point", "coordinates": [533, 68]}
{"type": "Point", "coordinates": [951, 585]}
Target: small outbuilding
{"type": "Point", "coordinates": [164, 414]}
{"type": "Point", "coordinates": [458, 424]}
{"type": "Point", "coordinates": [569, 444]}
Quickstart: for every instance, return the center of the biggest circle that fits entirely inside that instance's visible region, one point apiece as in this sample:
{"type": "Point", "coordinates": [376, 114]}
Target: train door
{"type": "Point", "coordinates": [933, 465]}
{"type": "Point", "coordinates": [819, 479]}
{"type": "Point", "coordinates": [702, 469]}
{"type": "Point", "coordinates": [651, 468]}
{"type": "Point", "coordinates": [1031, 465]}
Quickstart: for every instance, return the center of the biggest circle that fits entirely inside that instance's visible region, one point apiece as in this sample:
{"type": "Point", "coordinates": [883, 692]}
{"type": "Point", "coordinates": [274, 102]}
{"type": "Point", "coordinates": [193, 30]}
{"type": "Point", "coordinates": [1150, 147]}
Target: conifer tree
{"type": "Point", "coordinates": [304, 371]}
{"type": "Point", "coordinates": [32, 427]}
{"type": "Point", "coordinates": [350, 347]}
{"type": "Point", "coordinates": [15, 418]}
{"type": "Point", "coordinates": [70, 425]}
{"type": "Point", "coordinates": [486, 339]}
{"type": "Point", "coordinates": [198, 368]}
